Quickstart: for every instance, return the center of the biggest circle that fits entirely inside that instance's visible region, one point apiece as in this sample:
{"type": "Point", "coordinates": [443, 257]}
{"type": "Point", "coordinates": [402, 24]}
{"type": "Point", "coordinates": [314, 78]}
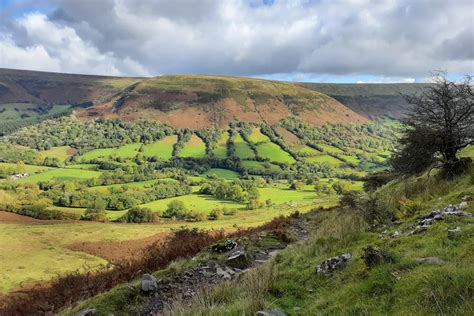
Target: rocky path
{"type": "Point", "coordinates": [185, 285]}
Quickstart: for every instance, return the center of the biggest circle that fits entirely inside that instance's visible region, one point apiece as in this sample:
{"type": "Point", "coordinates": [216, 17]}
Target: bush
{"type": "Point", "coordinates": [139, 215]}
{"type": "Point", "coordinates": [216, 214]}
{"type": "Point", "coordinates": [95, 215]}
{"type": "Point", "coordinates": [176, 209]}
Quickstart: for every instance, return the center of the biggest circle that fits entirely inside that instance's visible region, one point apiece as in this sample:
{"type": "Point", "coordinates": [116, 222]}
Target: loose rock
{"type": "Point", "coordinates": [430, 260]}
{"type": "Point", "coordinates": [88, 311]}
{"type": "Point", "coordinates": [238, 259]}
{"type": "Point", "coordinates": [225, 246]}
{"type": "Point", "coordinates": [271, 312]}
{"type": "Point", "coordinates": [373, 256]}
{"type": "Point", "coordinates": [330, 265]}
{"type": "Point", "coordinates": [149, 283]}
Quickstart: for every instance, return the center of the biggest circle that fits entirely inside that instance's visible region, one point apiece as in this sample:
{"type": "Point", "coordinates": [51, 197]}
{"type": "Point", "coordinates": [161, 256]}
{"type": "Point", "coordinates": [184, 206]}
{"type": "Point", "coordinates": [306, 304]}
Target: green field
{"type": "Point", "coordinates": [162, 149]}
{"type": "Point", "coordinates": [194, 148]}
{"type": "Point", "coordinates": [61, 174]}
{"type": "Point", "coordinates": [274, 153]}
{"type": "Point", "coordinates": [62, 153]}
{"type": "Point", "coordinates": [125, 151]}
{"type": "Point", "coordinates": [221, 147]}
{"type": "Point", "coordinates": [29, 168]}
{"type": "Point", "coordinates": [308, 151]}
{"type": "Point", "coordinates": [242, 149]}
{"type": "Point", "coordinates": [351, 159]}
{"type": "Point", "coordinates": [330, 160]}
{"type": "Point", "coordinates": [222, 173]}
{"type": "Point", "coordinates": [257, 165]}
{"type": "Point", "coordinates": [330, 149]}
{"type": "Point", "coordinates": [257, 137]}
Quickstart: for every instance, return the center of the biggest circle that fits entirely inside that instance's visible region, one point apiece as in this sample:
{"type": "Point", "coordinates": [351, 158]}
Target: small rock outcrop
{"type": "Point", "coordinates": [373, 256]}
{"type": "Point", "coordinates": [430, 260]}
{"type": "Point", "coordinates": [88, 311]}
{"type": "Point", "coordinates": [333, 264]}
{"type": "Point", "coordinates": [272, 312]}
{"type": "Point", "coordinates": [238, 259]}
{"type": "Point", "coordinates": [225, 246]}
{"type": "Point", "coordinates": [437, 215]}
{"type": "Point", "coordinates": [149, 283]}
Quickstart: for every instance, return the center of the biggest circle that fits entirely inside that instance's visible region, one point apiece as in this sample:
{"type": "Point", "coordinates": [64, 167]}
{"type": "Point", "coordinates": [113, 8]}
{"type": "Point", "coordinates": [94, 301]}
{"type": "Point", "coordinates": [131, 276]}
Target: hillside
{"type": "Point", "coordinates": [198, 101]}
{"type": "Point", "coordinates": [370, 100]}
{"type": "Point", "coordinates": [193, 101]}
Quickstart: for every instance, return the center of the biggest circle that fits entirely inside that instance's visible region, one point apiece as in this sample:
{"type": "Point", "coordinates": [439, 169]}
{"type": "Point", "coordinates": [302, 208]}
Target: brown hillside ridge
{"type": "Point", "coordinates": [193, 101]}
{"type": "Point", "coordinates": [198, 101]}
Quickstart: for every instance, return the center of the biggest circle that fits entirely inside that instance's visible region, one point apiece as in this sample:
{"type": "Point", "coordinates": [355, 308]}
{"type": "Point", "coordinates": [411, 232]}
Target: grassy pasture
{"type": "Point", "coordinates": [257, 137]}
{"type": "Point", "coordinates": [125, 151]}
{"type": "Point", "coordinates": [257, 165]}
{"type": "Point", "coordinates": [62, 152]}
{"type": "Point", "coordinates": [330, 149]}
{"type": "Point", "coordinates": [242, 149]}
{"type": "Point", "coordinates": [274, 153]}
{"type": "Point", "coordinates": [351, 159]}
{"type": "Point", "coordinates": [325, 159]}
{"type": "Point", "coordinates": [221, 147]}
{"type": "Point", "coordinates": [308, 151]}
{"type": "Point", "coordinates": [194, 148]}
{"type": "Point", "coordinates": [162, 149]}
{"type": "Point", "coordinates": [61, 174]}
{"type": "Point", "coordinates": [29, 168]}
{"type": "Point", "coordinates": [222, 173]}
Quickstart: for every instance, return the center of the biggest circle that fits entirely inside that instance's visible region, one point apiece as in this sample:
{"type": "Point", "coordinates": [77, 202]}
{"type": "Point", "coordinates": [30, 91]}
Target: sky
{"type": "Point", "coordinates": [297, 40]}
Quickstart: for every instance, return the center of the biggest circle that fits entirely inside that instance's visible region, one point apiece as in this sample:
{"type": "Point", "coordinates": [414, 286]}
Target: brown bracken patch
{"type": "Point", "coordinates": [117, 251]}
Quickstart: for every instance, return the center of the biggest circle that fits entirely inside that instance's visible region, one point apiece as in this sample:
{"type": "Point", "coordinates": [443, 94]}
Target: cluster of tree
{"type": "Point", "coordinates": [370, 137]}
{"type": "Point", "coordinates": [439, 125]}
{"type": "Point", "coordinates": [184, 135]}
{"type": "Point", "coordinates": [210, 136]}
{"type": "Point", "coordinates": [28, 200]}
{"type": "Point", "coordinates": [120, 198]}
{"type": "Point", "coordinates": [12, 154]}
{"type": "Point", "coordinates": [242, 191]}
{"type": "Point", "coordinates": [139, 215]}
{"type": "Point", "coordinates": [84, 135]}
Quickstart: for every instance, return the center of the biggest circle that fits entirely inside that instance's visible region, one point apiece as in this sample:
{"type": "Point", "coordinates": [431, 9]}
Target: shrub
{"type": "Point", "coordinates": [216, 214]}
{"type": "Point", "coordinates": [176, 209]}
{"type": "Point", "coordinates": [139, 215]}
{"type": "Point", "coordinates": [95, 215]}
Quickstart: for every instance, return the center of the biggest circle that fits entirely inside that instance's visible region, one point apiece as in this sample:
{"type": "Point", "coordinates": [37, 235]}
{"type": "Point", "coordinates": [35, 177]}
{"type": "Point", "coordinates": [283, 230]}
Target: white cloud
{"type": "Point", "coordinates": [386, 38]}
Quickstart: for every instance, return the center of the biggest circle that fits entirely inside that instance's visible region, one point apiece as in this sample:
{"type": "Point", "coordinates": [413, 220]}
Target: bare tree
{"type": "Point", "coordinates": [439, 125]}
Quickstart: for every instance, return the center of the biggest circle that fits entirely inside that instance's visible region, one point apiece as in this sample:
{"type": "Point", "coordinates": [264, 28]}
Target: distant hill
{"type": "Point", "coordinates": [194, 101]}
{"type": "Point", "coordinates": [370, 100]}
{"type": "Point", "coordinates": [201, 101]}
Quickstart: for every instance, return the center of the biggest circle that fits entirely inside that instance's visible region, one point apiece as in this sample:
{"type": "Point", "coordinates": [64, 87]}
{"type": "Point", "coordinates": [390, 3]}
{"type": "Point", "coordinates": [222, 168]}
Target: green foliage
{"type": "Point", "coordinates": [139, 215]}
{"type": "Point", "coordinates": [176, 209]}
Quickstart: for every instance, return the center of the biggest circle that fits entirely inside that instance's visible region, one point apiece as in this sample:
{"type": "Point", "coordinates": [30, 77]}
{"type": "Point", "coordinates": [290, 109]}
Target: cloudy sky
{"type": "Point", "coordinates": [300, 40]}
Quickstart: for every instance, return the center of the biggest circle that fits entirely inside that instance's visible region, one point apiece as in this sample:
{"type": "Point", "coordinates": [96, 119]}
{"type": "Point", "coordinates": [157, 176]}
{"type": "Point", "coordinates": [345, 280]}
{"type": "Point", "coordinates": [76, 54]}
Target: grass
{"type": "Point", "coordinates": [399, 287]}
{"type": "Point", "coordinates": [330, 160]}
{"type": "Point", "coordinates": [61, 174]}
{"type": "Point", "coordinates": [221, 147]}
{"type": "Point", "coordinates": [351, 159]}
{"type": "Point", "coordinates": [194, 148]}
{"type": "Point", "coordinates": [308, 151]}
{"type": "Point", "coordinates": [29, 168]}
{"type": "Point", "coordinates": [125, 151]}
{"type": "Point", "coordinates": [274, 153]}
{"type": "Point", "coordinates": [39, 252]}
{"type": "Point", "coordinates": [222, 173]}
{"type": "Point", "coordinates": [330, 149]}
{"type": "Point", "coordinates": [258, 166]}
{"type": "Point", "coordinates": [242, 149]}
{"type": "Point", "coordinates": [62, 153]}
{"type": "Point", "coordinates": [257, 137]}
{"type": "Point", "coordinates": [162, 149]}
